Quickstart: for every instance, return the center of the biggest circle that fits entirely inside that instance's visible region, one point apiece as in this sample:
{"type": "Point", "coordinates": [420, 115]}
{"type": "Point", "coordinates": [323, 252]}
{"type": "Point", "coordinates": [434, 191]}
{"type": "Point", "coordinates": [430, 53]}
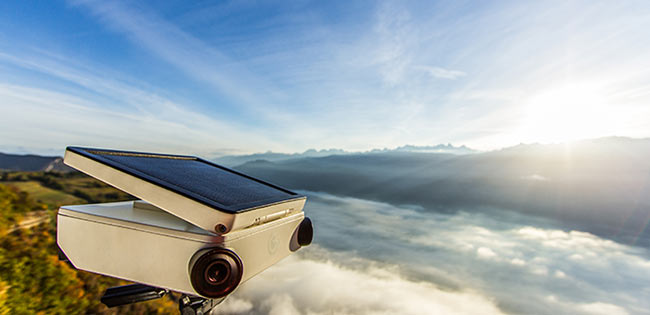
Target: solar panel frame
{"type": "Point", "coordinates": [98, 155]}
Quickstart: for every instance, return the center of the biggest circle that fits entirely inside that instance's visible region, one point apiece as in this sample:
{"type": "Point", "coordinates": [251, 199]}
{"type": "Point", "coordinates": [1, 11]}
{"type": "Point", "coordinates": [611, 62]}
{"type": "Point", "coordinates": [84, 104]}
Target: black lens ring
{"type": "Point", "coordinates": [305, 232]}
{"type": "Point", "coordinates": [199, 275]}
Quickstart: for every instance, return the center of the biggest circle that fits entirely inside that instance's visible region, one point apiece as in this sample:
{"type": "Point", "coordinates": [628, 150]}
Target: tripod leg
{"type": "Point", "coordinates": [193, 305]}
{"type": "Point", "coordinates": [131, 293]}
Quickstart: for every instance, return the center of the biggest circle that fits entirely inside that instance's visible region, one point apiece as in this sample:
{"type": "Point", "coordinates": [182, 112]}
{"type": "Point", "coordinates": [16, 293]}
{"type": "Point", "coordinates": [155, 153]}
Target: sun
{"type": "Point", "coordinates": [565, 113]}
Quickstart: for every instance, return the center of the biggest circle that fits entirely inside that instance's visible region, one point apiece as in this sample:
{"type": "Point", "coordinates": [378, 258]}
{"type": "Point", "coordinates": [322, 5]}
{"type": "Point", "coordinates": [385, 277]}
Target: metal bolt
{"type": "Point", "coordinates": [220, 228]}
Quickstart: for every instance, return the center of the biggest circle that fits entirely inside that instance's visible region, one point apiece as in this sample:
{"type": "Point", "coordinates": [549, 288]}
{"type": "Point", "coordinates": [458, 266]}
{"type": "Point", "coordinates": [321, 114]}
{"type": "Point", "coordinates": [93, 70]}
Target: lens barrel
{"type": "Point", "coordinates": [216, 273]}
{"type": "Point", "coordinates": [305, 232]}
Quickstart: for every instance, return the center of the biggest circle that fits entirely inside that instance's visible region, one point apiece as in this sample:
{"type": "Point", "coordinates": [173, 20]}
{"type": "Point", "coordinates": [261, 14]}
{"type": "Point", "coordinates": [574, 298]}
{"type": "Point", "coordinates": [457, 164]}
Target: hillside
{"type": "Point", "coordinates": [32, 279]}
{"type": "Point", "coordinates": [30, 163]}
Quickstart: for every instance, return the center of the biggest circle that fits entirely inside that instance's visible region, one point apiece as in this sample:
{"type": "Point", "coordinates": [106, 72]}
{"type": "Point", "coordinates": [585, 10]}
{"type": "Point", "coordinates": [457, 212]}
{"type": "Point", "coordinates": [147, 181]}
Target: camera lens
{"type": "Point", "coordinates": [216, 273]}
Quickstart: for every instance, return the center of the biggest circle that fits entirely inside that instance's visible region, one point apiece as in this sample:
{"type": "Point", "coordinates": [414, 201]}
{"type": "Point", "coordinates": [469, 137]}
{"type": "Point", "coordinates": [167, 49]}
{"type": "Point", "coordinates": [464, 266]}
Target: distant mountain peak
{"type": "Point", "coordinates": [323, 152]}
{"type": "Point", "coordinates": [234, 160]}
{"type": "Point", "coordinates": [440, 148]}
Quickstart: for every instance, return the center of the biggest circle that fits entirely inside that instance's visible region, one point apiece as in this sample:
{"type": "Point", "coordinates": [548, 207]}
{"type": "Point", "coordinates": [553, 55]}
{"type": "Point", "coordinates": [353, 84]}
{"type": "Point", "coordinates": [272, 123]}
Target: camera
{"type": "Point", "coordinates": [198, 228]}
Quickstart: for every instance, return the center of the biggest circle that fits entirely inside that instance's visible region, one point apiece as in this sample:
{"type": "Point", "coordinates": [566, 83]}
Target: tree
{"type": "Point", "coordinates": [34, 281]}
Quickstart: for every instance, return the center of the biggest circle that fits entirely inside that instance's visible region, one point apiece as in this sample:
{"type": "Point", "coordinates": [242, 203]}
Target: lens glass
{"type": "Point", "coordinates": [217, 272]}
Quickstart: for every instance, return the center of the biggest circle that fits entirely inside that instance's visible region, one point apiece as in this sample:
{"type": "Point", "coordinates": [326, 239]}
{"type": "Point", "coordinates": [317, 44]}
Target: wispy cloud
{"type": "Point", "coordinates": [442, 73]}
{"type": "Point", "coordinates": [106, 112]}
{"type": "Point", "coordinates": [535, 177]}
{"type": "Point", "coordinates": [394, 42]}
{"type": "Point", "coordinates": [242, 89]}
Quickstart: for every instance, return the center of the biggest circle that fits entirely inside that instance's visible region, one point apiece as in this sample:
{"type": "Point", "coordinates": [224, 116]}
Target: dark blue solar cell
{"type": "Point", "coordinates": [201, 180]}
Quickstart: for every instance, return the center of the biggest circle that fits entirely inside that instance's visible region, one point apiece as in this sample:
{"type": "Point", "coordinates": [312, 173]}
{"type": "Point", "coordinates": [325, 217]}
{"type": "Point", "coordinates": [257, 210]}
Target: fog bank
{"type": "Point", "coordinates": [375, 258]}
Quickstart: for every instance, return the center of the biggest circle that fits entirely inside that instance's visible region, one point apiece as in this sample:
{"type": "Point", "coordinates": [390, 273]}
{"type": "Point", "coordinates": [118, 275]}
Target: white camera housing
{"type": "Point", "coordinates": [184, 235]}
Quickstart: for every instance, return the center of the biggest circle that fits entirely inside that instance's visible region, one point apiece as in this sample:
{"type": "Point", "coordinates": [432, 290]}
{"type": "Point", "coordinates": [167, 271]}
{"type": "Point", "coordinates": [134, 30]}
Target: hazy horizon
{"type": "Point", "coordinates": [53, 151]}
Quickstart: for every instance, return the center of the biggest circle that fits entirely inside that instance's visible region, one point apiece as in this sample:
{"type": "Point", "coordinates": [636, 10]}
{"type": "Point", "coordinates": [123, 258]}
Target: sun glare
{"type": "Point", "coordinates": [563, 114]}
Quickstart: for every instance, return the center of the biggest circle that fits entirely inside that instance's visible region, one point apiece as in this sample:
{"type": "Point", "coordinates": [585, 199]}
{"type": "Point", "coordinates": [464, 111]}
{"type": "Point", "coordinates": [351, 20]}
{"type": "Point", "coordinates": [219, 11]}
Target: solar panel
{"type": "Point", "coordinates": [213, 185]}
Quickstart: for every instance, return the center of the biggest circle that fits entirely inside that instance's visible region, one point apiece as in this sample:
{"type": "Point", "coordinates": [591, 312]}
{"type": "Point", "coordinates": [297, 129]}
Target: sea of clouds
{"type": "Point", "coordinates": [375, 258]}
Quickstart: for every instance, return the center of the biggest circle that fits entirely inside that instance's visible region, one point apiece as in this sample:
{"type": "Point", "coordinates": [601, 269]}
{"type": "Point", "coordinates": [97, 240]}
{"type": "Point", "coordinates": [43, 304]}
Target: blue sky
{"type": "Point", "coordinates": [249, 76]}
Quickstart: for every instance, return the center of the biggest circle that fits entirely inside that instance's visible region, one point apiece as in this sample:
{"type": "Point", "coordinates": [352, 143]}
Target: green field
{"type": "Point", "coordinates": [56, 189]}
{"type": "Point", "coordinates": [52, 198]}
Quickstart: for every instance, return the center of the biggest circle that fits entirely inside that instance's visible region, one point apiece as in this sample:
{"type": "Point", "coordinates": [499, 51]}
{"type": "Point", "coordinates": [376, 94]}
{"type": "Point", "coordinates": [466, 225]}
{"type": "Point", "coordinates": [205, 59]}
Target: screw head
{"type": "Point", "coordinates": [220, 228]}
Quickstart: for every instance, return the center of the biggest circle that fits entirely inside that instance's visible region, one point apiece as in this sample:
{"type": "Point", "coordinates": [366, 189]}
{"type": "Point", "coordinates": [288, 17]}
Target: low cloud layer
{"type": "Point", "coordinates": [303, 285]}
{"type": "Point", "coordinates": [375, 258]}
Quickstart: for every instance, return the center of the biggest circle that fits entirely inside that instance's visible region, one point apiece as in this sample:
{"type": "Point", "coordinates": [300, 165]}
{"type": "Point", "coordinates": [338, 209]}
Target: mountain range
{"type": "Point", "coordinates": [600, 186]}
{"type": "Point", "coordinates": [29, 162]}
{"type": "Point", "coordinates": [234, 160]}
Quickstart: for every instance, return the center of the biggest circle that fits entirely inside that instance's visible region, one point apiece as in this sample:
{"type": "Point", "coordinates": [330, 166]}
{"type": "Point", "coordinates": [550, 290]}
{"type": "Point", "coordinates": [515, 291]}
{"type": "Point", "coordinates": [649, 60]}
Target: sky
{"type": "Point", "coordinates": [236, 77]}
